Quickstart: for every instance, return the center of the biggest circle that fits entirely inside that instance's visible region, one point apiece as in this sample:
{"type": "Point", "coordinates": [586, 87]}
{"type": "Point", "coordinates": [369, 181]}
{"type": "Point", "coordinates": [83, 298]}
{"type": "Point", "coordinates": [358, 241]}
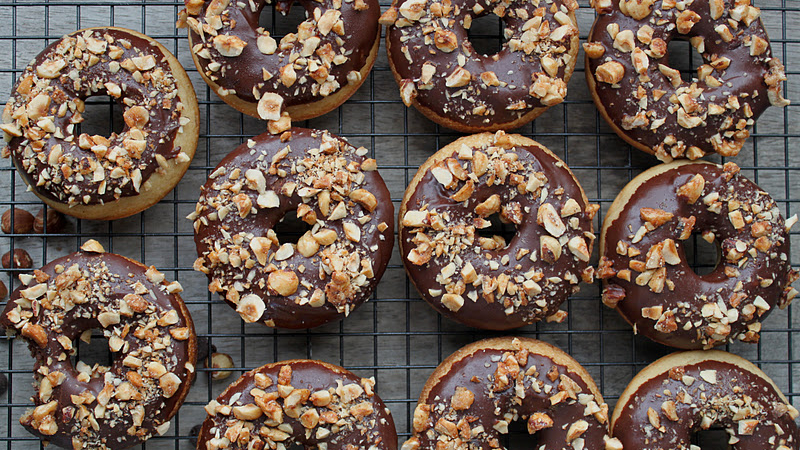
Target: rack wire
{"type": "Point", "coordinates": [395, 337]}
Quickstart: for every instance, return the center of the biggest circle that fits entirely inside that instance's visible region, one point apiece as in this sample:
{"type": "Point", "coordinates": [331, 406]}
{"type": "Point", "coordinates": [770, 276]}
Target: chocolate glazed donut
{"type": "Point", "coordinates": [473, 396]}
{"type": "Point", "coordinates": [150, 335]}
{"type": "Point", "coordinates": [102, 177]}
{"type": "Point", "coordinates": [306, 73]}
{"type": "Point", "coordinates": [644, 267]}
{"type": "Point", "coordinates": [687, 392]}
{"type": "Point", "coordinates": [335, 264]}
{"type": "Point", "coordinates": [442, 75]}
{"type": "Point", "coordinates": [483, 281]}
{"type": "Point", "coordinates": [310, 403]}
{"type": "Point", "coordinates": [645, 100]}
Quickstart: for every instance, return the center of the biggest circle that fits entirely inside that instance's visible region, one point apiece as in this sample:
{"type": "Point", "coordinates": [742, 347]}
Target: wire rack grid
{"type": "Point", "coordinates": [395, 337]}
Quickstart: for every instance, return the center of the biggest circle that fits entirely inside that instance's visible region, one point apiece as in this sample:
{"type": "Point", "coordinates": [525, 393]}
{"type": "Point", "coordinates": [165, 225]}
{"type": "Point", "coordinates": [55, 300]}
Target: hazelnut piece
{"type": "Point", "coordinates": [20, 260]}
{"type": "Point", "coordinates": [22, 221]}
{"type": "Point", "coordinates": [219, 361]}
{"type": "Point", "coordinates": [48, 220]}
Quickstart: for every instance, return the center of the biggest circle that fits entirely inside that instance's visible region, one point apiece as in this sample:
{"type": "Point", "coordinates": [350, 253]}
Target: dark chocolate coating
{"type": "Point", "coordinates": [374, 430]}
{"type": "Point", "coordinates": [540, 381]}
{"type": "Point", "coordinates": [244, 75]}
{"type": "Point", "coordinates": [556, 281]}
{"type": "Point", "coordinates": [741, 276]}
{"type": "Point", "coordinates": [72, 177]}
{"type": "Point", "coordinates": [50, 320]}
{"type": "Point", "coordinates": [479, 104]}
{"type": "Point", "coordinates": [374, 246]}
{"type": "Point", "coordinates": [754, 397]}
{"type": "Point", "coordinates": [747, 86]}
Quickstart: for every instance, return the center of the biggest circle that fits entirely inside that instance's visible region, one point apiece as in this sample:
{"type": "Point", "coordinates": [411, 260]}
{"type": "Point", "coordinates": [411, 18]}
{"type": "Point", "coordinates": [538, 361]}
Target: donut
{"type": "Point", "coordinates": [479, 279]}
{"type": "Point", "coordinates": [687, 392]}
{"type": "Point", "coordinates": [151, 340]}
{"type": "Point", "coordinates": [446, 79]}
{"type": "Point", "coordinates": [102, 177]}
{"type": "Point", "coordinates": [300, 402]}
{"type": "Point", "coordinates": [306, 73]}
{"type": "Point", "coordinates": [343, 203]}
{"type": "Point", "coordinates": [476, 393]}
{"type": "Point", "coordinates": [646, 102]}
{"type": "Point", "coordinates": [647, 277]}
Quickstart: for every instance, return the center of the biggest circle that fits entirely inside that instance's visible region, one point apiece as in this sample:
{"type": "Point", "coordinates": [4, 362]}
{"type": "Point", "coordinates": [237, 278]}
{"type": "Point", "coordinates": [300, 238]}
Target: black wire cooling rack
{"type": "Point", "coordinates": [395, 337]}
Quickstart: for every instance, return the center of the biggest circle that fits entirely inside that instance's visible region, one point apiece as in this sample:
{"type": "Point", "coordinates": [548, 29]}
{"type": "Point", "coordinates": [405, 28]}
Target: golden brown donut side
{"type": "Point", "coordinates": [685, 392]}
{"type": "Point", "coordinates": [492, 381]}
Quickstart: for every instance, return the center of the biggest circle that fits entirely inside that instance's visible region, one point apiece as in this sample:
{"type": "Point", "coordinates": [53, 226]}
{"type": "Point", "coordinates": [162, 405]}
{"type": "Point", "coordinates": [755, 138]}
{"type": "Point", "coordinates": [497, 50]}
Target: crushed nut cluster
{"type": "Point", "coordinates": [649, 261]}
{"type": "Point", "coordinates": [554, 232]}
{"type": "Point", "coordinates": [679, 119]}
{"type": "Point", "coordinates": [439, 68]}
{"type": "Point", "coordinates": [331, 264]}
{"type": "Point", "coordinates": [514, 385]}
{"type": "Point", "coordinates": [704, 396]}
{"type": "Point", "coordinates": [305, 64]}
{"type": "Point", "coordinates": [40, 119]}
{"type": "Point", "coordinates": [263, 410]}
{"type": "Point", "coordinates": [144, 333]}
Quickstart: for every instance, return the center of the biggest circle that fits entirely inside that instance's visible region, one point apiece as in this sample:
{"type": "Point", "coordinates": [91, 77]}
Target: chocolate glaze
{"type": "Point", "coordinates": [375, 430]}
{"type": "Point", "coordinates": [539, 379]}
{"type": "Point", "coordinates": [374, 246]}
{"type": "Point", "coordinates": [110, 278]}
{"type": "Point", "coordinates": [752, 82]}
{"type": "Point", "coordinates": [477, 104]}
{"type": "Point", "coordinates": [734, 387]}
{"type": "Point", "coordinates": [734, 283]}
{"type": "Point", "coordinates": [557, 281]}
{"type": "Point", "coordinates": [244, 75]}
{"type": "Point", "coordinates": [71, 178]}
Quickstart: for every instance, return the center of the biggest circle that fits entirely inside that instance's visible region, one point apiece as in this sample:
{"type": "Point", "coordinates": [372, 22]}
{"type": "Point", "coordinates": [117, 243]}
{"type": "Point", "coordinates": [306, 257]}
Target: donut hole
{"type": "Point", "coordinates": [684, 58]}
{"type": "Point", "coordinates": [290, 228]}
{"type": "Point", "coordinates": [486, 34]}
{"type": "Point", "coordinates": [518, 436]}
{"type": "Point", "coordinates": [500, 231]}
{"type": "Point", "coordinates": [701, 254]}
{"type": "Point", "coordinates": [92, 354]}
{"type": "Point", "coordinates": [280, 23]}
{"type": "Point", "coordinates": [102, 117]}
{"type": "Point", "coordinates": [711, 439]}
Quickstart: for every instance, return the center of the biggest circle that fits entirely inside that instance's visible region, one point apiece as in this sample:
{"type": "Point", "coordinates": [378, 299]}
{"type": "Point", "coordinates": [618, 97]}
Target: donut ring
{"type": "Point", "coordinates": [305, 402]}
{"type": "Point", "coordinates": [97, 177]}
{"type": "Point", "coordinates": [644, 99]}
{"type": "Point", "coordinates": [642, 255]}
{"type": "Point", "coordinates": [306, 73]}
{"type": "Point", "coordinates": [149, 331]}
{"type": "Point", "coordinates": [484, 282]}
{"type": "Point", "coordinates": [334, 266]}
{"type": "Point", "coordinates": [686, 392]}
{"type": "Point", "coordinates": [481, 388]}
{"type": "Point", "coordinates": [440, 73]}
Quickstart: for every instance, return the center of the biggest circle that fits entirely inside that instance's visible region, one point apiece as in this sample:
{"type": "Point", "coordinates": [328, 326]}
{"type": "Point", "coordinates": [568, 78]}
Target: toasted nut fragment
{"type": "Point", "coordinates": [686, 21]}
{"type": "Point", "coordinates": [307, 245]}
{"type": "Point", "coordinates": [36, 333]}
{"type": "Point", "coordinates": [610, 72]}
{"type": "Point", "coordinates": [670, 252]}
{"type": "Point", "coordinates": [539, 421]}
{"type": "Point", "coordinates": [637, 9]}
{"type": "Point", "coordinates": [460, 77]}
{"type": "Point", "coordinates": [325, 236]}
{"type": "Point", "coordinates": [251, 308]}
{"type": "Point", "coordinates": [220, 361]}
{"type": "Point", "coordinates": [465, 192]}
{"type": "Point", "coordinates": [269, 106]}
{"type": "Point", "coordinates": [490, 79]}
{"type": "Point", "coordinates": [668, 407]}
{"type": "Point", "coordinates": [549, 249]}
{"type": "Point", "coordinates": [624, 42]}
{"type": "Point", "coordinates": [266, 44]}
{"type": "Point", "coordinates": [249, 411]}
{"type": "Point", "coordinates": [408, 92]}
{"type": "Point", "coordinates": [548, 217]}
{"type": "Point", "coordinates": [692, 189]}
{"type": "Point", "coordinates": [577, 245]}
{"type": "Point", "coordinates": [577, 429]}
{"type": "Point", "coordinates": [352, 231]}
{"type": "Point", "coordinates": [594, 50]}
{"type": "Point", "coordinates": [758, 46]}
{"type": "Point", "coordinates": [570, 207]}
{"type": "Point", "coordinates": [652, 416]}
{"type": "Point", "coordinates": [365, 198]}
{"type": "Point", "coordinates": [92, 246]}
{"type": "Point", "coordinates": [655, 217]}
{"type": "Point", "coordinates": [413, 9]}
{"type": "Point", "coordinates": [453, 302]}
{"type": "Point", "coordinates": [488, 207]}
{"type": "Point", "coordinates": [228, 45]}
{"type": "Point", "coordinates": [445, 40]}
{"type": "Point", "coordinates": [388, 18]}
{"type": "Point", "coordinates": [169, 383]}
{"type": "Point", "coordinates": [283, 282]}
{"type": "Point", "coordinates": [462, 399]}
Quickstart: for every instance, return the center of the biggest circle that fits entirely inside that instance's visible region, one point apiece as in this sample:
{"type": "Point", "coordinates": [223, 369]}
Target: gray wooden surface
{"type": "Point", "coordinates": [396, 337]}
